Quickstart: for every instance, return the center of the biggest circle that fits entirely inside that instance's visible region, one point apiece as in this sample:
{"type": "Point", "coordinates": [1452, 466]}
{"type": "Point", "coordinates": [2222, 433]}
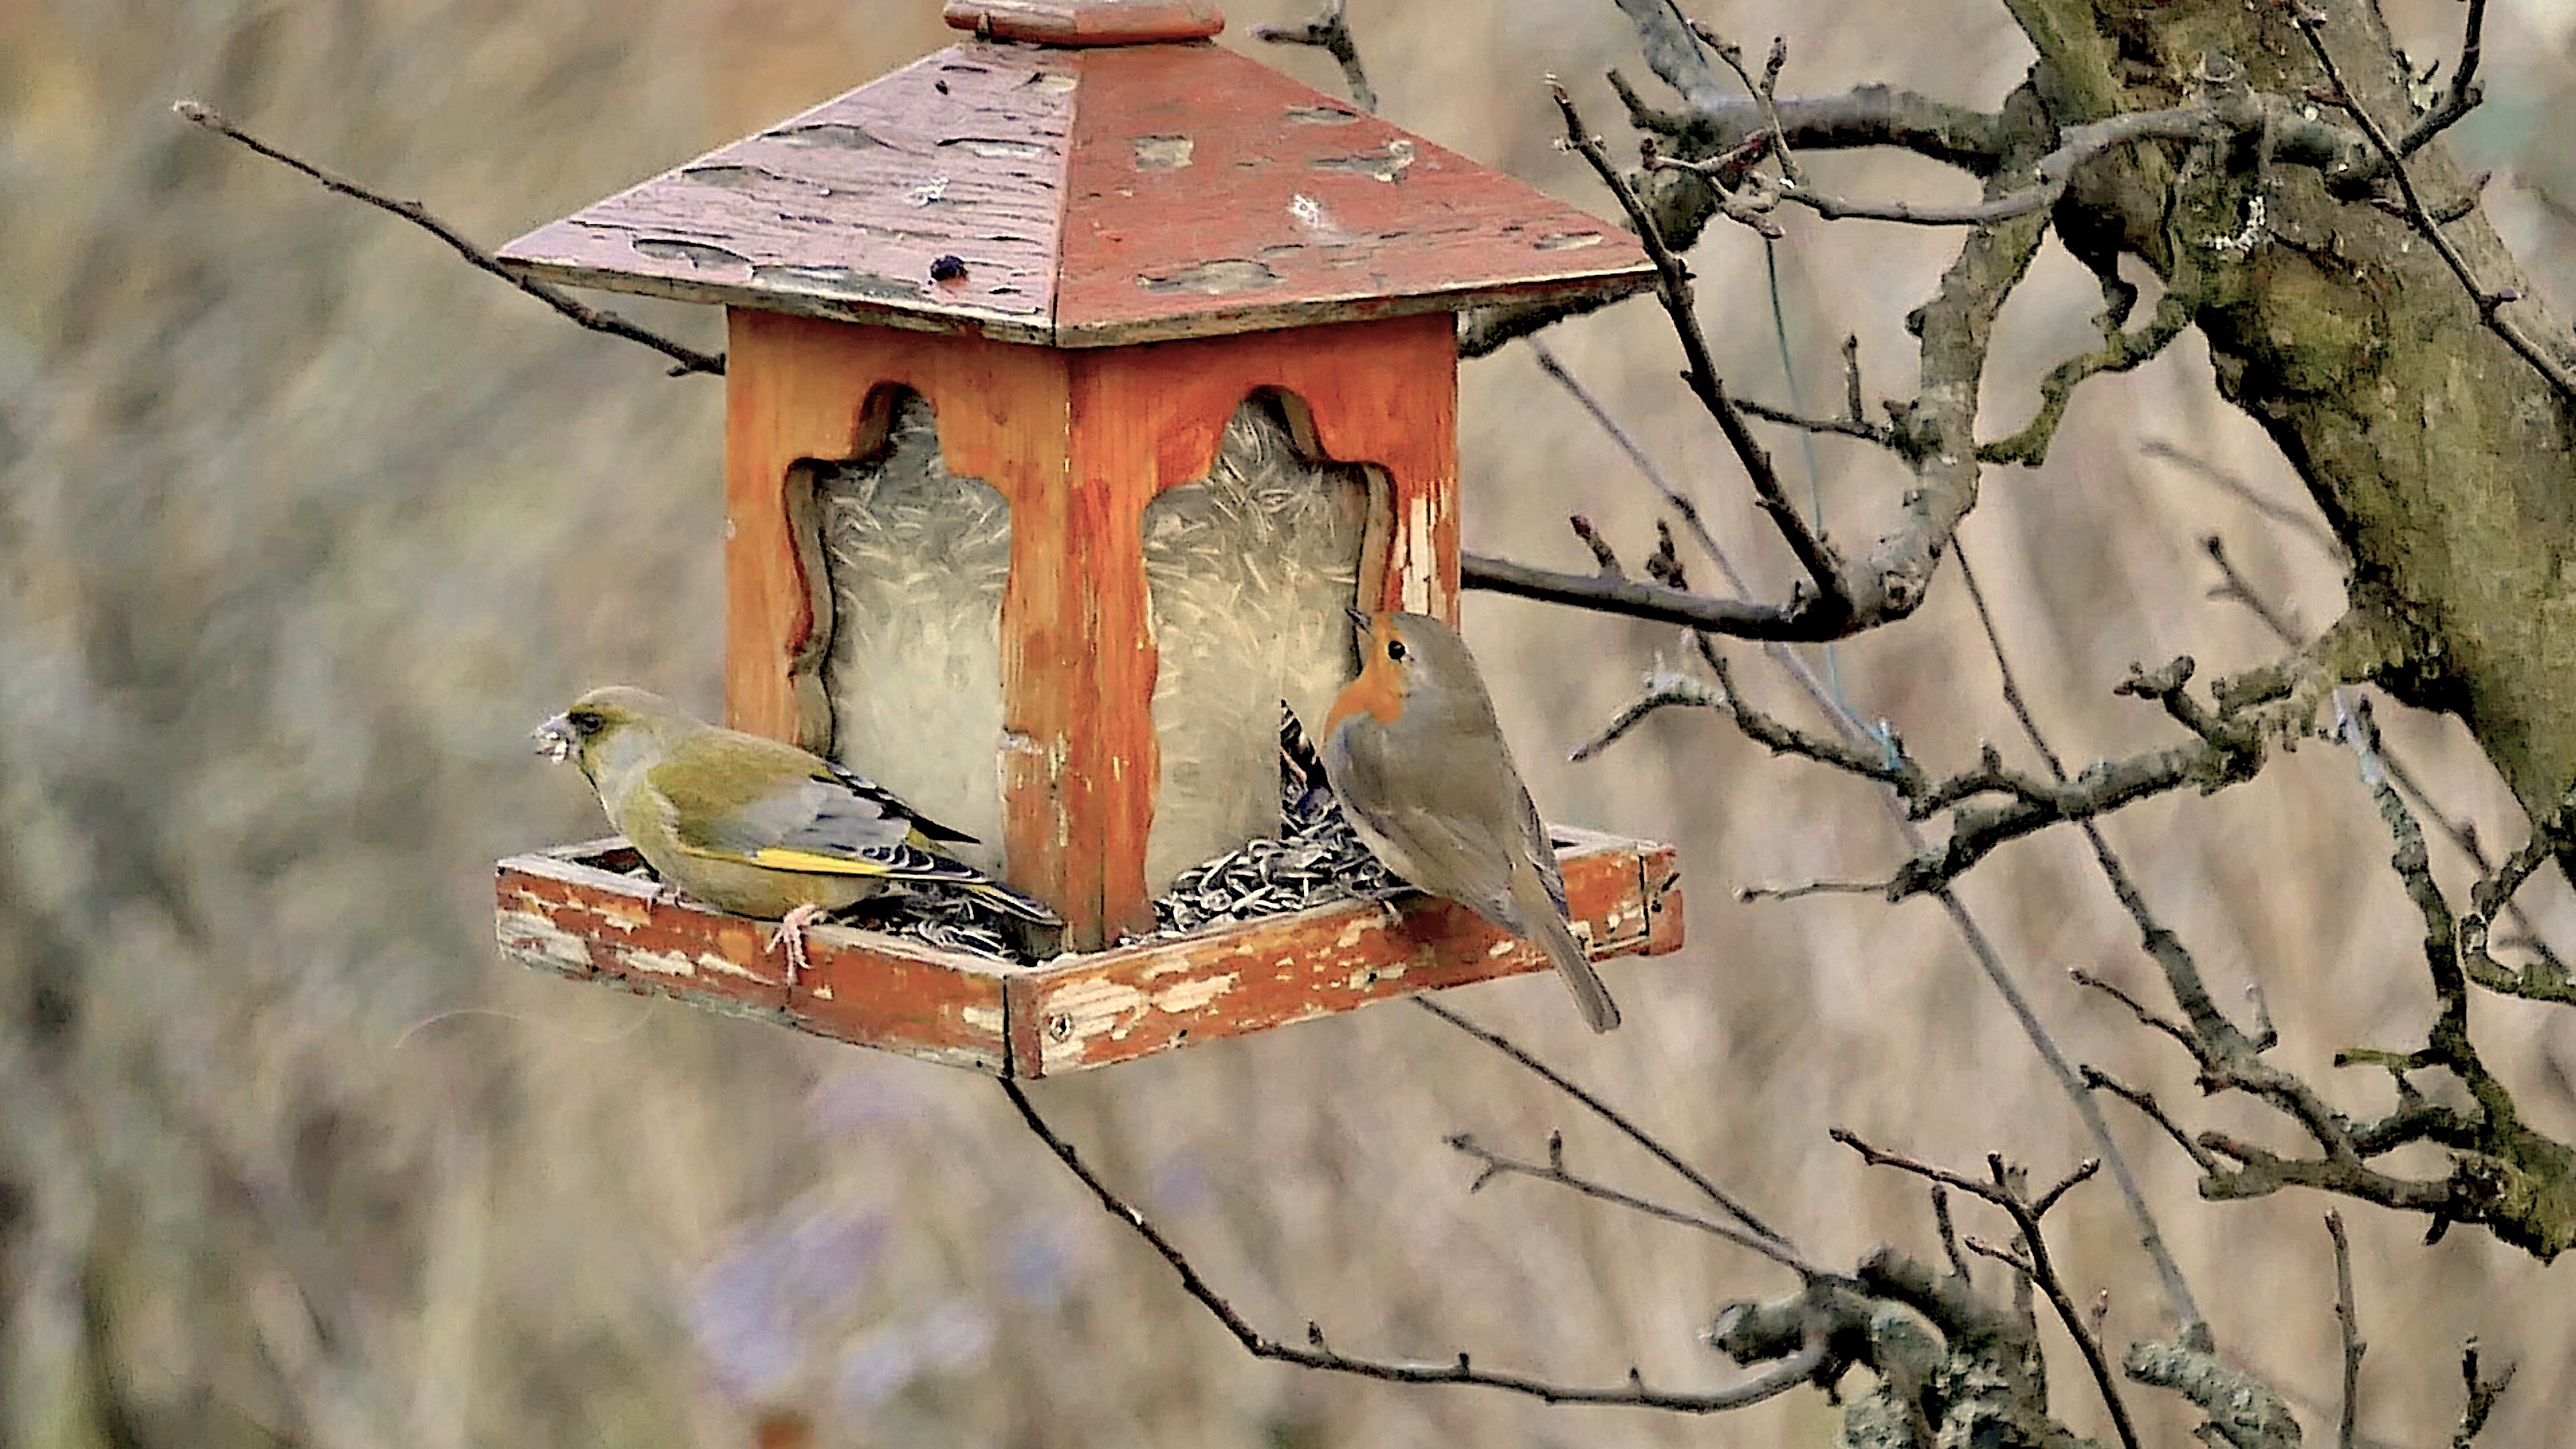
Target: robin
{"type": "Point", "coordinates": [1419, 764]}
{"type": "Point", "coordinates": [753, 826]}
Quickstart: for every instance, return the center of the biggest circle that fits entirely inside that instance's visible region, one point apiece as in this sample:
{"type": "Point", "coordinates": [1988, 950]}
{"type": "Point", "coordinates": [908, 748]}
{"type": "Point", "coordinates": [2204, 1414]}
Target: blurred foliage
{"type": "Point", "coordinates": [305, 523]}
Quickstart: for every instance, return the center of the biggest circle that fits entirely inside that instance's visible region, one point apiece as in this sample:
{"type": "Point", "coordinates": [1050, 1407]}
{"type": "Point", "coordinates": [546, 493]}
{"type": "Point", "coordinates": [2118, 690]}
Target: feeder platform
{"type": "Point", "coordinates": [575, 910]}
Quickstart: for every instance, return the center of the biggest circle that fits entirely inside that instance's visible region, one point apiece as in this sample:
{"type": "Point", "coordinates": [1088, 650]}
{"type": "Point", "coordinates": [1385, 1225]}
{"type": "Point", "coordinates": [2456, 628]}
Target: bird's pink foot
{"type": "Point", "coordinates": [791, 934]}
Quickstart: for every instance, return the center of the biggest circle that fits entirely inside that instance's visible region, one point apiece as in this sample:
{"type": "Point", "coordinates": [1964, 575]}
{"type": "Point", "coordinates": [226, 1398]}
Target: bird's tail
{"type": "Point", "coordinates": [1011, 903]}
{"type": "Point", "coordinates": [1548, 927]}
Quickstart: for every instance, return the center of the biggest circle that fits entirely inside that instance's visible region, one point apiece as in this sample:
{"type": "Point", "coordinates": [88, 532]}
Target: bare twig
{"type": "Point", "coordinates": [1604, 557]}
{"type": "Point", "coordinates": [2459, 97]}
{"type": "Point", "coordinates": [2145, 1014]}
{"type": "Point", "coordinates": [2236, 590]}
{"type": "Point", "coordinates": [1318, 1354]}
{"type": "Point", "coordinates": [2482, 1395]}
{"type": "Point", "coordinates": [1949, 1235]}
{"type": "Point", "coordinates": [1850, 427]}
{"type": "Point", "coordinates": [1554, 1171]}
{"type": "Point", "coordinates": [1331, 32]}
{"type": "Point", "coordinates": [1812, 888]}
{"type": "Point", "coordinates": [1655, 602]}
{"type": "Point", "coordinates": [1663, 691]}
{"type": "Point", "coordinates": [2145, 1101]}
{"type": "Point", "coordinates": [1824, 568]}
{"type": "Point", "coordinates": [689, 359]}
{"type": "Point", "coordinates": [2490, 304]}
{"type": "Point", "coordinates": [1725, 1201]}
{"type": "Point", "coordinates": [2120, 352]}
{"type": "Point", "coordinates": [2347, 1424]}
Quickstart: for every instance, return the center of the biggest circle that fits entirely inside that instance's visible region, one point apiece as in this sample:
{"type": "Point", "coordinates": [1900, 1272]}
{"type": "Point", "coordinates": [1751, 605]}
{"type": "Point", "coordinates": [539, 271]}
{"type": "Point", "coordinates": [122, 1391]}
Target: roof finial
{"type": "Point", "coordinates": [1087, 22]}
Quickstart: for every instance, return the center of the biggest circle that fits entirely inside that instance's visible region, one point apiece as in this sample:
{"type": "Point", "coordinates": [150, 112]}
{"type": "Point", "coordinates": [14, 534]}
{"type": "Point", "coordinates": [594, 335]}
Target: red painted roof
{"type": "Point", "coordinates": [1088, 197]}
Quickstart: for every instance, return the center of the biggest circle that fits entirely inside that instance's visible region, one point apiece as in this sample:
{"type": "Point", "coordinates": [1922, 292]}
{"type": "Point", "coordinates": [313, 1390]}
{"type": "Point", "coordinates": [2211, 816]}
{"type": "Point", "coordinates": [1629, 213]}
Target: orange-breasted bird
{"type": "Point", "coordinates": [1418, 761]}
{"type": "Point", "coordinates": [753, 826]}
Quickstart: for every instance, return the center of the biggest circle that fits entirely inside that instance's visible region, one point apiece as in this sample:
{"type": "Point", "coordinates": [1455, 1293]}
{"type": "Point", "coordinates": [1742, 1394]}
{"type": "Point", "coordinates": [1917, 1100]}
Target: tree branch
{"type": "Point", "coordinates": [1831, 599]}
{"type": "Point", "coordinates": [1318, 1354]}
{"type": "Point", "coordinates": [689, 359]}
{"type": "Point", "coordinates": [2193, 1327]}
{"type": "Point", "coordinates": [2347, 1423]}
{"type": "Point", "coordinates": [1554, 1171]}
{"type": "Point", "coordinates": [1725, 1201]}
{"type": "Point", "coordinates": [1330, 32]}
{"type": "Point", "coordinates": [2490, 305]}
{"type": "Point", "coordinates": [2482, 1395]}
{"type": "Point", "coordinates": [2462, 95]}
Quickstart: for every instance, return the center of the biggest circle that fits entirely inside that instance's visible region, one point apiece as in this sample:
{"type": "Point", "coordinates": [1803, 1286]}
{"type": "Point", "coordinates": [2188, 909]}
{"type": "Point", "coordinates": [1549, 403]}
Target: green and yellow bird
{"type": "Point", "coordinates": [753, 826]}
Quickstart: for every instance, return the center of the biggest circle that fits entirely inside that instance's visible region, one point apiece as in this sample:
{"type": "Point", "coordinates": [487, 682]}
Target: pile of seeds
{"type": "Point", "coordinates": [1317, 859]}
{"type": "Point", "coordinates": [1317, 863]}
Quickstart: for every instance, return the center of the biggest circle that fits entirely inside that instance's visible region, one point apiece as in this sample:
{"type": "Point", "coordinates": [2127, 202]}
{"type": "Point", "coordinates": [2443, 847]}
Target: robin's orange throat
{"type": "Point", "coordinates": [1372, 692]}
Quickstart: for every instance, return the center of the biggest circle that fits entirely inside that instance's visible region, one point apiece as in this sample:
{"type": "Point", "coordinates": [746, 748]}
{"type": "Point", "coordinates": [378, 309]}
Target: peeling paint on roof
{"type": "Point", "coordinates": [1085, 198]}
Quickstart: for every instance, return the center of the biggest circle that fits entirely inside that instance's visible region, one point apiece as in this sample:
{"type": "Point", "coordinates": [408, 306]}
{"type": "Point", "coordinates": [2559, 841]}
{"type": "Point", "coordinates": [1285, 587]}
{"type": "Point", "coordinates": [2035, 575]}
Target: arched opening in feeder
{"type": "Point", "coordinates": [1248, 570]}
{"type": "Point", "coordinates": [911, 564]}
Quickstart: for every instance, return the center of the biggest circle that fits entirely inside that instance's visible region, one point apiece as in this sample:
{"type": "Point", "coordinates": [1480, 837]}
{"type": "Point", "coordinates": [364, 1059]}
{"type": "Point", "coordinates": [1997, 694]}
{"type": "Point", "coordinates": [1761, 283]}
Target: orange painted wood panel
{"type": "Point", "coordinates": [573, 911]}
{"type": "Point", "coordinates": [1078, 443]}
{"type": "Point", "coordinates": [1118, 1005]}
{"type": "Point", "coordinates": [1382, 393]}
{"type": "Point", "coordinates": [797, 388]}
{"type": "Point", "coordinates": [803, 388]}
{"type": "Point", "coordinates": [1152, 417]}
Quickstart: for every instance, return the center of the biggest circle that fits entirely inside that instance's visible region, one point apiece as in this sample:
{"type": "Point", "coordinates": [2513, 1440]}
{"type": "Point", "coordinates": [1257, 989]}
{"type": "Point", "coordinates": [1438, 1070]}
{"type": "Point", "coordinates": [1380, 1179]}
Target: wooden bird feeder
{"type": "Point", "coordinates": [1079, 376]}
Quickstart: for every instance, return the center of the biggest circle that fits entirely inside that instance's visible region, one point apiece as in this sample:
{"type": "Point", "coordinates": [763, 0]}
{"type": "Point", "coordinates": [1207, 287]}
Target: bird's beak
{"type": "Point", "coordinates": [1359, 617]}
{"type": "Point", "coordinates": [554, 739]}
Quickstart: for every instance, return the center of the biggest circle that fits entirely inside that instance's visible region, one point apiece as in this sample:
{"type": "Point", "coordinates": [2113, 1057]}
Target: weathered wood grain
{"type": "Point", "coordinates": [1086, 198]}
{"type": "Point", "coordinates": [845, 211]}
{"type": "Point", "coordinates": [1207, 193]}
{"type": "Point", "coordinates": [1118, 1005]}
{"type": "Point", "coordinates": [573, 910]}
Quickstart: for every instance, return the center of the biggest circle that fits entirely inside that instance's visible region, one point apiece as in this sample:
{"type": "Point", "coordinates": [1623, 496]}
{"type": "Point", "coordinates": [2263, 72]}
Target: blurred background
{"type": "Point", "coordinates": [306, 523]}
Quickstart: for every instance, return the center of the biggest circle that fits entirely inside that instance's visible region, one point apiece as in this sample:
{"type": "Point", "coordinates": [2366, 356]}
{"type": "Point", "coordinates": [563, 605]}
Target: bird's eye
{"type": "Point", "coordinates": [587, 723]}
{"type": "Point", "coordinates": [1395, 649]}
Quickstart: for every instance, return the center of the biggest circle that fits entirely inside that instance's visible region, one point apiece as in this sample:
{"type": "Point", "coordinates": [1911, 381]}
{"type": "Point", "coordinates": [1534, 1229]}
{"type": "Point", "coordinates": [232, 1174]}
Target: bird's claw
{"type": "Point", "coordinates": [791, 935]}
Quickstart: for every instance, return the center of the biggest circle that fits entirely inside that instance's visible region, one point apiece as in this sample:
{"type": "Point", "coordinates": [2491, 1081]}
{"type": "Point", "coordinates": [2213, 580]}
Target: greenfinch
{"type": "Point", "coordinates": [753, 826]}
{"type": "Point", "coordinates": [1418, 761]}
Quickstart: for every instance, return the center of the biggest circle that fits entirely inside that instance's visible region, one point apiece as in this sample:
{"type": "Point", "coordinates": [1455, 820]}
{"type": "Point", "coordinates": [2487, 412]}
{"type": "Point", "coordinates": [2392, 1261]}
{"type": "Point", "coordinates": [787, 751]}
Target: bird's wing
{"type": "Point", "coordinates": [1467, 870]}
{"type": "Point", "coordinates": [1441, 857]}
{"type": "Point", "coordinates": [1542, 851]}
{"type": "Point", "coordinates": [770, 805]}
{"type": "Point", "coordinates": [886, 800]}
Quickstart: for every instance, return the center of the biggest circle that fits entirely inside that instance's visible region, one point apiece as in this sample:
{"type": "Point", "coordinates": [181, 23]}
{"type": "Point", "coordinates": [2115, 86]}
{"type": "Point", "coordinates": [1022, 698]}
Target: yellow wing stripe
{"type": "Point", "coordinates": [806, 860]}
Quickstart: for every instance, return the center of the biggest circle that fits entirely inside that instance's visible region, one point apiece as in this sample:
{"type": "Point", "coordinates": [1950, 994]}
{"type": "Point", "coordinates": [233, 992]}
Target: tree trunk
{"type": "Point", "coordinates": [2440, 456]}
